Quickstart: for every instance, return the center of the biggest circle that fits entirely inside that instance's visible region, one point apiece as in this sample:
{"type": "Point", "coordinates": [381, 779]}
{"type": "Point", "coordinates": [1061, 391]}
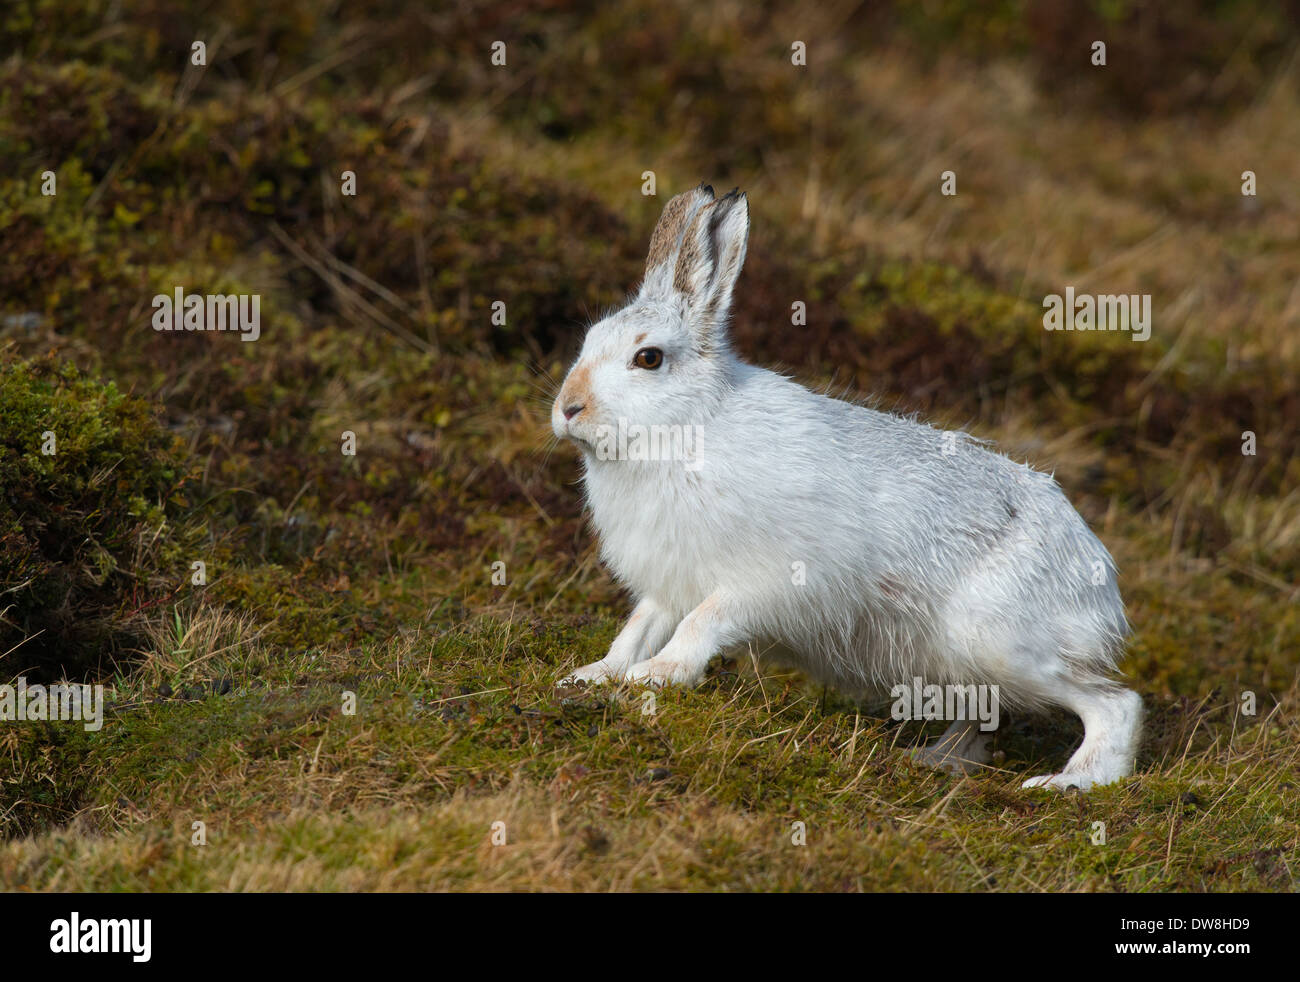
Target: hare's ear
{"type": "Point", "coordinates": [712, 254]}
{"type": "Point", "coordinates": [666, 242]}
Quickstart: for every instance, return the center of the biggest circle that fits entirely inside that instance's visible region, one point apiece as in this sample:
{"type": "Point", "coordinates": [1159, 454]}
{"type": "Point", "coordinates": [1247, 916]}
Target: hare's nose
{"type": "Point", "coordinates": [571, 411]}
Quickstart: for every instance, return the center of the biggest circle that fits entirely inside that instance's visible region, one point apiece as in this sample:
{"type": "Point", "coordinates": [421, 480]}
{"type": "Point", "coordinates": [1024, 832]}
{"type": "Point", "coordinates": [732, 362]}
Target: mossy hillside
{"type": "Point", "coordinates": [425, 206]}
{"type": "Point", "coordinates": [96, 518]}
{"type": "Point", "coordinates": [918, 349]}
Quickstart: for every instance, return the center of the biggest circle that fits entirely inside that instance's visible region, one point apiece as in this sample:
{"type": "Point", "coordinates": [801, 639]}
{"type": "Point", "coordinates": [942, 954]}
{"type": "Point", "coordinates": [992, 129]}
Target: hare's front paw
{"type": "Point", "coordinates": [597, 671]}
{"type": "Point", "coordinates": [658, 672]}
{"type": "Point", "coordinates": [1061, 782]}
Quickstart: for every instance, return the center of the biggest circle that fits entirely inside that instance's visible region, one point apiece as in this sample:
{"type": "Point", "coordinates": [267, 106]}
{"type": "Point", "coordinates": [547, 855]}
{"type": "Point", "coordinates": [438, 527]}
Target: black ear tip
{"type": "Point", "coordinates": [732, 200]}
{"type": "Point", "coordinates": [706, 187]}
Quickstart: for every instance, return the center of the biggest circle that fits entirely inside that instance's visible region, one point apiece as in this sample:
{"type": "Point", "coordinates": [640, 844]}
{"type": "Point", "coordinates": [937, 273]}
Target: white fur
{"type": "Point", "coordinates": [924, 553]}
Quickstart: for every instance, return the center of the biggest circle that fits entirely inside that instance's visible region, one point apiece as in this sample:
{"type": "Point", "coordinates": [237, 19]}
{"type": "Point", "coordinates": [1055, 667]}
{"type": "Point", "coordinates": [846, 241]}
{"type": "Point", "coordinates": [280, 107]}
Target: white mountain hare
{"type": "Point", "coordinates": [738, 506]}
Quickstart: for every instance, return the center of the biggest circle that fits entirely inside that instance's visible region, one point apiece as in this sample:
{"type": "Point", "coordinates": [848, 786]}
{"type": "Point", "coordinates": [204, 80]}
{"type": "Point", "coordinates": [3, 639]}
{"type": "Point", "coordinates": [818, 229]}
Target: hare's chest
{"type": "Point", "coordinates": [650, 539]}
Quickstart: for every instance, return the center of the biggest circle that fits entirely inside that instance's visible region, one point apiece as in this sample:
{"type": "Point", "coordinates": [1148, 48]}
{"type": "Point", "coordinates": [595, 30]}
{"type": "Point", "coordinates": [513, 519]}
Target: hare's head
{"type": "Point", "coordinates": [663, 358]}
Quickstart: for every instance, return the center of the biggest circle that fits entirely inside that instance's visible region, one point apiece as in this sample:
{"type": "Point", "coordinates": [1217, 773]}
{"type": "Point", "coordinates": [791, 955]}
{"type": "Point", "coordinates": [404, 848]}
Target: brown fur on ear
{"type": "Point", "coordinates": [709, 263]}
{"type": "Point", "coordinates": [699, 254]}
{"type": "Point", "coordinates": [672, 224]}
{"type": "Point", "coordinates": [694, 249]}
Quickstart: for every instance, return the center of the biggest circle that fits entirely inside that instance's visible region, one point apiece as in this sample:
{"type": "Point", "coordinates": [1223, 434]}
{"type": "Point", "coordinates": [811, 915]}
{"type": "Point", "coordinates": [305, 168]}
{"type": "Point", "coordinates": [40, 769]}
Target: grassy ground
{"type": "Point", "coordinates": [372, 574]}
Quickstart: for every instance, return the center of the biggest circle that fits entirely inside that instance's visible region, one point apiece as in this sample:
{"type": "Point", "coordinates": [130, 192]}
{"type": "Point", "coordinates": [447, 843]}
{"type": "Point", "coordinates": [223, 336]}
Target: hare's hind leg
{"type": "Point", "coordinates": [645, 632]}
{"type": "Point", "coordinates": [962, 749]}
{"type": "Point", "coordinates": [1112, 723]}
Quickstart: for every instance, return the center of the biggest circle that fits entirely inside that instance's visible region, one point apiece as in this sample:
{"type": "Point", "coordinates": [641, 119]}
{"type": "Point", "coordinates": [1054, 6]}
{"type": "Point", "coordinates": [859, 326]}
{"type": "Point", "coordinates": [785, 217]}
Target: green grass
{"type": "Point", "coordinates": [455, 733]}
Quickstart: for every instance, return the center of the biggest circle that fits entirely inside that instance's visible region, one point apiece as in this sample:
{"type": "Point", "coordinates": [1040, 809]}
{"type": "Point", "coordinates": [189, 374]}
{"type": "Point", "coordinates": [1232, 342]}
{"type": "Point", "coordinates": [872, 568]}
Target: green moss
{"type": "Point", "coordinates": [93, 516]}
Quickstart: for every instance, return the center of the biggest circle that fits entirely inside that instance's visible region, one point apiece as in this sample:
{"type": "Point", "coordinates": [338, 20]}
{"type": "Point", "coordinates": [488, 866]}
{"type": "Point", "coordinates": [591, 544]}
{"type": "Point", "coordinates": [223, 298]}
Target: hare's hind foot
{"type": "Point", "coordinates": [1112, 723]}
{"type": "Point", "coordinates": [962, 749]}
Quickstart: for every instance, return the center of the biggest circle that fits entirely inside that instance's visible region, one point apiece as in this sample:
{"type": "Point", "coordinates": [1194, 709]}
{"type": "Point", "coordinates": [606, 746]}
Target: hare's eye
{"type": "Point", "coordinates": [650, 358]}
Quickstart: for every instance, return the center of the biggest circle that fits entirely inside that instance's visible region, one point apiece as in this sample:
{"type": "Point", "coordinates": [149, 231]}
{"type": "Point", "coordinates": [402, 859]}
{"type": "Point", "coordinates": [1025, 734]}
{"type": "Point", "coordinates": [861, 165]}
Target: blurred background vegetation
{"type": "Point", "coordinates": [522, 183]}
